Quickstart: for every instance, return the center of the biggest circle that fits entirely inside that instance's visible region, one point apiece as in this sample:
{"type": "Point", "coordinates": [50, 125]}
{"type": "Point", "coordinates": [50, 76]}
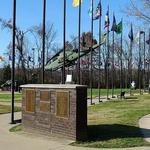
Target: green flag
{"type": "Point", "coordinates": [119, 28]}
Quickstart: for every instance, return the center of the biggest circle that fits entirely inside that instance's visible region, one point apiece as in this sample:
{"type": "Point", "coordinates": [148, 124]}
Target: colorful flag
{"type": "Point", "coordinates": [76, 3]}
{"type": "Point", "coordinates": [107, 21]}
{"type": "Point", "coordinates": [98, 12]}
{"type": "Point", "coordinates": [114, 25]}
{"type": "Point", "coordinates": [119, 28]}
{"type": "Point", "coordinates": [84, 62]}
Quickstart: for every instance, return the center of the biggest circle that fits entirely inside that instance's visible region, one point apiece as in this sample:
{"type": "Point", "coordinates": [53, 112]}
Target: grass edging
{"type": "Point", "coordinates": [16, 128]}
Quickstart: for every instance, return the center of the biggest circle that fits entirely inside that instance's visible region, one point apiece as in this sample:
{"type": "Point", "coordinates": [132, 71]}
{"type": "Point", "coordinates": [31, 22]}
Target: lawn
{"type": "Point", "coordinates": [114, 124]}
{"type": "Point", "coordinates": [7, 96]}
{"type": "Point", "coordinates": [103, 92]}
{"type": "Point", "coordinates": [6, 109]}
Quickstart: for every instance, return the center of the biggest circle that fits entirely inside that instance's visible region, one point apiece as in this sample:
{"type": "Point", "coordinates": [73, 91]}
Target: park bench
{"type": "Point", "coordinates": [121, 95]}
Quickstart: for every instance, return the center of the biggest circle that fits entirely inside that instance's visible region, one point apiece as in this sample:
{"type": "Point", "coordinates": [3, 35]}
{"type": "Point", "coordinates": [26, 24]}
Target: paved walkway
{"type": "Point", "coordinates": [144, 124]}
{"type": "Point", "coordinates": [28, 141]}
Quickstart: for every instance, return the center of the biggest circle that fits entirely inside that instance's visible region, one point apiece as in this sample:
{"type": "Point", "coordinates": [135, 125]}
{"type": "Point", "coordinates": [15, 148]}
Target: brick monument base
{"type": "Point", "coordinates": [59, 110]}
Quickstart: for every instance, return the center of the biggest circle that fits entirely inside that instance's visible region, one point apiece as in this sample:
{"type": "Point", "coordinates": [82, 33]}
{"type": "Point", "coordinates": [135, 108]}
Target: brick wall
{"type": "Point", "coordinates": [44, 118]}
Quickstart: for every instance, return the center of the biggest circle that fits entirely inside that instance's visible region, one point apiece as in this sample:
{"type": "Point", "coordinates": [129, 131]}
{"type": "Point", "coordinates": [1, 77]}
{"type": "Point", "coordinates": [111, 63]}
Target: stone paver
{"type": "Point", "coordinates": [28, 141]}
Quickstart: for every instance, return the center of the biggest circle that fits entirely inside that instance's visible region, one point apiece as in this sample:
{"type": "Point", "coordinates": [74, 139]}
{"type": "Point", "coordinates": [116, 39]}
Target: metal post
{"type": "Point", "coordinates": [139, 68]}
{"type": "Point", "coordinates": [13, 62]}
{"type": "Point", "coordinates": [43, 42]}
{"type": "Point", "coordinates": [130, 61]}
{"type": "Point", "coordinates": [91, 75]}
{"type": "Point", "coordinates": [108, 55]}
{"type": "Point", "coordinates": [113, 68]}
{"type": "Point", "coordinates": [99, 72]}
{"type": "Point", "coordinates": [149, 59]}
{"type": "Point", "coordinates": [79, 33]}
{"type": "Point", "coordinates": [144, 64]}
{"type": "Point", "coordinates": [121, 84]}
{"type": "Point", "coordinates": [64, 42]}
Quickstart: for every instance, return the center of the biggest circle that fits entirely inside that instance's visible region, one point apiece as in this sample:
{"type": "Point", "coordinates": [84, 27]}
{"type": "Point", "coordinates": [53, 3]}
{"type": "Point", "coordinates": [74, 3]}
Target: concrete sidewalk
{"type": "Point", "coordinates": [28, 141]}
{"type": "Point", "coordinates": [144, 124]}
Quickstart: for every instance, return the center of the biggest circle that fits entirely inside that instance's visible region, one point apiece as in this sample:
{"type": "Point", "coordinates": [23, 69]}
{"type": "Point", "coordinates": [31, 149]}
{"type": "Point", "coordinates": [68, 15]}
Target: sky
{"type": "Point", "coordinates": [29, 13]}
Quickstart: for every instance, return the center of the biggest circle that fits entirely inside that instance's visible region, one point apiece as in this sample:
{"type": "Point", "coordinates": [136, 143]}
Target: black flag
{"type": "Point", "coordinates": [114, 25]}
{"type": "Point", "coordinates": [131, 37]}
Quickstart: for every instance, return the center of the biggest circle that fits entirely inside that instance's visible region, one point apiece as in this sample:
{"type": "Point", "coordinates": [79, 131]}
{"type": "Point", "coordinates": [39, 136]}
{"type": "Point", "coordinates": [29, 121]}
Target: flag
{"type": "Point", "coordinates": [84, 62]}
{"type": "Point", "coordinates": [1, 58]}
{"type": "Point", "coordinates": [10, 59]}
{"type": "Point", "coordinates": [98, 12]}
{"type": "Point", "coordinates": [148, 41]}
{"type": "Point", "coordinates": [130, 35]}
{"type": "Point", "coordinates": [114, 25]}
{"type": "Point", "coordinates": [107, 21]}
{"type": "Point", "coordinates": [20, 58]}
{"type": "Point", "coordinates": [119, 28]}
{"type": "Point", "coordinates": [76, 3]}
{"type": "Point", "coordinates": [29, 58]}
{"type": "Point", "coordinates": [147, 61]}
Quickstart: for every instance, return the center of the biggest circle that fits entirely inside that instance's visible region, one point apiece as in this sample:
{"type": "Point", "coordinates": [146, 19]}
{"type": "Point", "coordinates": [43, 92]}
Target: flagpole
{"type": "Point", "coordinates": [13, 63]}
{"type": "Point", "coordinates": [149, 59]}
{"type": "Point", "coordinates": [91, 73]}
{"type": "Point", "coordinates": [99, 72]}
{"type": "Point", "coordinates": [64, 44]}
{"type": "Point", "coordinates": [113, 69]}
{"type": "Point", "coordinates": [139, 70]}
{"type": "Point", "coordinates": [130, 63]}
{"type": "Point", "coordinates": [144, 64]}
{"type": "Point", "coordinates": [79, 34]}
{"type": "Point", "coordinates": [121, 84]}
{"type": "Point", "coordinates": [107, 84]}
{"type": "Point", "coordinates": [43, 42]}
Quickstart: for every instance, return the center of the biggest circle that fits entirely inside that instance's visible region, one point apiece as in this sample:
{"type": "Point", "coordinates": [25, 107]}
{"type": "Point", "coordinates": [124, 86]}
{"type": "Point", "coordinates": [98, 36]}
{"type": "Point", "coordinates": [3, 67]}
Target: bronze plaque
{"type": "Point", "coordinates": [44, 107]}
{"type": "Point", "coordinates": [62, 104]}
{"type": "Point", "coordinates": [44, 95]}
{"type": "Point", "coordinates": [30, 100]}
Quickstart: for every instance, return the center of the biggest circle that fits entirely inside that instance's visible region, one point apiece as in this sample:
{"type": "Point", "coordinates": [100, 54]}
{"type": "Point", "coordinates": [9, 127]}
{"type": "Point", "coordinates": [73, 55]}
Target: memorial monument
{"type": "Point", "coordinates": [59, 110]}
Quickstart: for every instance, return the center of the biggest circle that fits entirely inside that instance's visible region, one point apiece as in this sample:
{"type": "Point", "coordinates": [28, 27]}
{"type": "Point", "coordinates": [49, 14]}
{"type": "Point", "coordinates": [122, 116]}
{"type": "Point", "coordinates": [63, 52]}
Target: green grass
{"type": "Point", "coordinates": [6, 109]}
{"type": "Point", "coordinates": [103, 92]}
{"type": "Point", "coordinates": [114, 124]}
{"type": "Point", "coordinates": [16, 128]}
{"type": "Point", "coordinates": [7, 97]}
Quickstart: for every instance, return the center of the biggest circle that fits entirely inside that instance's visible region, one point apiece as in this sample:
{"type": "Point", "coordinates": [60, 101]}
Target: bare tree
{"type": "Point", "coordinates": [37, 32]}
{"type": "Point", "coordinates": [139, 9]}
{"type": "Point", "coordinates": [7, 24]}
